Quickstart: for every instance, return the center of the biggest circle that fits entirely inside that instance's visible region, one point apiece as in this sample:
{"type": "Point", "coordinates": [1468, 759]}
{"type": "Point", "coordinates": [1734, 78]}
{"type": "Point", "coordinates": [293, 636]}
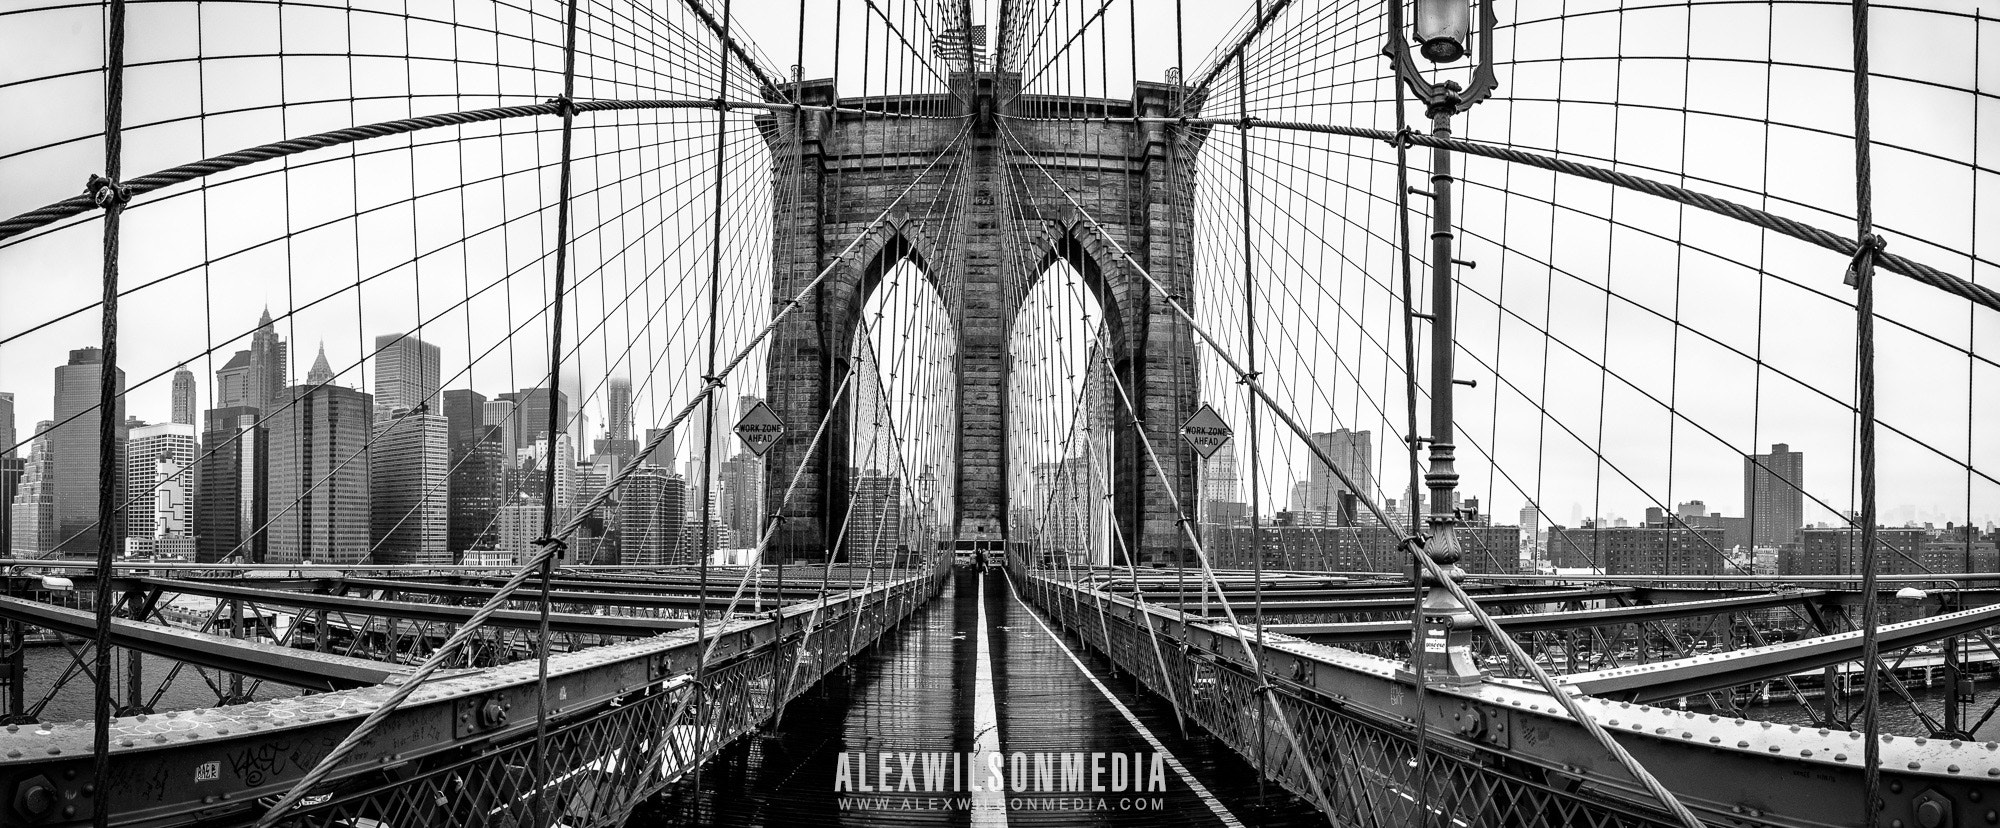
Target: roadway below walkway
{"type": "Point", "coordinates": [975, 673]}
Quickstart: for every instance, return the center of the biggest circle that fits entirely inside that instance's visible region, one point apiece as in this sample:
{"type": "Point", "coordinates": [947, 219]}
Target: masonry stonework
{"type": "Point", "coordinates": [983, 223]}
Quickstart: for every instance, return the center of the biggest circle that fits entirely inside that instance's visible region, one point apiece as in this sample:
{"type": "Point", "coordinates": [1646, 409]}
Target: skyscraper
{"type": "Point", "coordinates": [406, 374]}
{"type": "Point", "coordinates": [184, 396]}
{"type": "Point", "coordinates": [466, 411]}
{"type": "Point", "coordinates": [743, 497]}
{"type": "Point", "coordinates": [34, 518]}
{"type": "Point", "coordinates": [230, 486]}
{"type": "Point", "coordinates": [1068, 495]}
{"type": "Point", "coordinates": [320, 373]}
{"type": "Point", "coordinates": [159, 474]}
{"type": "Point", "coordinates": [518, 523]}
{"type": "Point", "coordinates": [617, 444]}
{"type": "Point", "coordinates": [664, 455]}
{"type": "Point", "coordinates": [12, 468]}
{"type": "Point", "coordinates": [530, 478]}
{"type": "Point", "coordinates": [499, 413]}
{"type": "Point", "coordinates": [875, 522]}
{"type": "Point", "coordinates": [652, 518]}
{"type": "Point", "coordinates": [318, 501]}
{"type": "Point", "coordinates": [1219, 483]}
{"type": "Point", "coordinates": [531, 420]}
{"type": "Point", "coordinates": [409, 463]}
{"type": "Point", "coordinates": [8, 437]}
{"type": "Point", "coordinates": [75, 443]}
{"type": "Point", "coordinates": [1774, 495]}
{"type": "Point", "coordinates": [1531, 528]}
{"type": "Point", "coordinates": [255, 377]}
{"type": "Point", "coordinates": [1354, 452]}
{"type": "Point", "coordinates": [478, 487]}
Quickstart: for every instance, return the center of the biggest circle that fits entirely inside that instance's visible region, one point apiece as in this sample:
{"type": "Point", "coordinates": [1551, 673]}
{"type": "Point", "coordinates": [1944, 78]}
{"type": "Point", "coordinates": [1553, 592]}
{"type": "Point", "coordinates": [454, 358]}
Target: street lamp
{"type": "Point", "coordinates": [1443, 32]}
{"type": "Point", "coordinates": [1442, 28]}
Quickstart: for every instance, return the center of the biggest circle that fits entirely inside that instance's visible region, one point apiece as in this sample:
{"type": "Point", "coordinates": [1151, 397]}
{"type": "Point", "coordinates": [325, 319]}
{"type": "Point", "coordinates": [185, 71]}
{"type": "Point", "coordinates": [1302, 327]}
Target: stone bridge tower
{"type": "Point", "coordinates": [983, 234]}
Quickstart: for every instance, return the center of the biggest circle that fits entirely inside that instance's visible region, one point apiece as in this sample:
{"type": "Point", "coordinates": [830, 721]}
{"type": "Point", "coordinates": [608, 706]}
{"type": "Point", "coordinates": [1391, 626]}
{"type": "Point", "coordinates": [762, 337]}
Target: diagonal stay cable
{"type": "Point", "coordinates": [547, 550]}
{"type": "Point", "coordinates": [1666, 798]}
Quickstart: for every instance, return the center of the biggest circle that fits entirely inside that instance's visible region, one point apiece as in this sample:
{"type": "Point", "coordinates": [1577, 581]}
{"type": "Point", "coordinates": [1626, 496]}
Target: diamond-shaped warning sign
{"type": "Point", "coordinates": [760, 429]}
{"type": "Point", "coordinates": [1206, 431]}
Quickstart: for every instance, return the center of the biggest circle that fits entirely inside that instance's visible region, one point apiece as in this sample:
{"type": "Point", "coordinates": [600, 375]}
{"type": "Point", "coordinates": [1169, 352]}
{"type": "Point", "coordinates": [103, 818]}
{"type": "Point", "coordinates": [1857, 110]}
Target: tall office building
{"type": "Point", "coordinates": [159, 494]}
{"type": "Point", "coordinates": [409, 461]}
{"type": "Point", "coordinates": [12, 470]}
{"type": "Point", "coordinates": [531, 417]}
{"type": "Point", "coordinates": [75, 443]}
{"type": "Point", "coordinates": [591, 478]}
{"type": "Point", "coordinates": [499, 413]}
{"type": "Point", "coordinates": [465, 409]}
{"type": "Point", "coordinates": [1354, 453]}
{"type": "Point", "coordinates": [743, 497]}
{"type": "Point", "coordinates": [34, 508]}
{"type": "Point", "coordinates": [530, 477]}
{"type": "Point", "coordinates": [406, 374]}
{"type": "Point", "coordinates": [184, 396]}
{"type": "Point", "coordinates": [617, 444]}
{"type": "Point", "coordinates": [664, 455]}
{"type": "Point", "coordinates": [1068, 495]}
{"type": "Point", "coordinates": [1774, 495]}
{"type": "Point", "coordinates": [652, 518]}
{"type": "Point", "coordinates": [517, 523]}
{"type": "Point", "coordinates": [230, 486]}
{"type": "Point", "coordinates": [318, 501]}
{"type": "Point", "coordinates": [1531, 528]}
{"type": "Point", "coordinates": [13, 467]}
{"type": "Point", "coordinates": [8, 436]}
{"type": "Point", "coordinates": [255, 377]}
{"type": "Point", "coordinates": [1219, 486]}
{"type": "Point", "coordinates": [321, 373]}
{"type": "Point", "coordinates": [478, 488]}
{"type": "Point", "coordinates": [875, 522]}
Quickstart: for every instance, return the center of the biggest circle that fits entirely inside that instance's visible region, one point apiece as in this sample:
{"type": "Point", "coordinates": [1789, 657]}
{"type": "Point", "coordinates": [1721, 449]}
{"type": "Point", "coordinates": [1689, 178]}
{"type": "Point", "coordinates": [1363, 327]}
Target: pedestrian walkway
{"type": "Point", "coordinates": [976, 674]}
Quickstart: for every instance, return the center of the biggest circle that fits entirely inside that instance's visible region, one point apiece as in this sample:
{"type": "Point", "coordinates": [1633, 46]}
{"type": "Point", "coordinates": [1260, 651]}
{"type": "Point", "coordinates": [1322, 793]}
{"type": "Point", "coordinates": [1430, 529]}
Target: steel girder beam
{"type": "Point", "coordinates": [1283, 605]}
{"type": "Point", "coordinates": [653, 600]}
{"type": "Point", "coordinates": [1362, 631]}
{"type": "Point", "coordinates": [284, 665]}
{"type": "Point", "coordinates": [1722, 768]}
{"type": "Point", "coordinates": [565, 622]}
{"type": "Point", "coordinates": [155, 760]}
{"type": "Point", "coordinates": [1691, 676]}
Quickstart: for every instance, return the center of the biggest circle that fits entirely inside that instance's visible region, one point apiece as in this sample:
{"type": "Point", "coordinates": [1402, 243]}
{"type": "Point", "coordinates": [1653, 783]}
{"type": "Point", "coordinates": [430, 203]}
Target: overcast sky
{"type": "Point", "coordinates": [1699, 299]}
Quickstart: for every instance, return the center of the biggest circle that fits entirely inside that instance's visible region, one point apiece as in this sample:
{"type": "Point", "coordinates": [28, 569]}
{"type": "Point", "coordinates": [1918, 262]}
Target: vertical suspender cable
{"type": "Point", "coordinates": [567, 109]}
{"type": "Point", "coordinates": [707, 542]}
{"type": "Point", "coordinates": [1250, 364]}
{"type": "Point", "coordinates": [106, 192]}
{"type": "Point", "coordinates": [1861, 275]}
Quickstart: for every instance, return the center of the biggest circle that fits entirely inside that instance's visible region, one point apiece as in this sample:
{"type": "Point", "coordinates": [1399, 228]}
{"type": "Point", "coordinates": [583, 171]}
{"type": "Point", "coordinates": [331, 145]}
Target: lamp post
{"type": "Point", "coordinates": [1443, 32]}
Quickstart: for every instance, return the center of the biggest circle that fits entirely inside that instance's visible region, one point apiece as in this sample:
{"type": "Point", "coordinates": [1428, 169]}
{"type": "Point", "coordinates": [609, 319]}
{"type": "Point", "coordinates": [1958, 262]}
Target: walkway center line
{"type": "Point", "coordinates": [1215, 805]}
{"type": "Point", "coordinates": [989, 806]}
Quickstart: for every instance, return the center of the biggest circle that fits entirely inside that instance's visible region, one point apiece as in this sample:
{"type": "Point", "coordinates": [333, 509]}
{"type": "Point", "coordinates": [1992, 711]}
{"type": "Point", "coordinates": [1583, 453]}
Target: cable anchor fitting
{"type": "Point", "coordinates": [564, 104]}
{"type": "Point", "coordinates": [104, 192]}
{"type": "Point", "coordinates": [562, 546]}
{"type": "Point", "coordinates": [1247, 377]}
{"type": "Point", "coordinates": [1864, 256]}
{"type": "Point", "coordinates": [1404, 138]}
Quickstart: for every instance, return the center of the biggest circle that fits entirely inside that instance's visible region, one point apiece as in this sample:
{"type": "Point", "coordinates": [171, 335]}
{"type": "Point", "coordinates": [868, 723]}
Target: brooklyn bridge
{"type": "Point", "coordinates": [938, 412]}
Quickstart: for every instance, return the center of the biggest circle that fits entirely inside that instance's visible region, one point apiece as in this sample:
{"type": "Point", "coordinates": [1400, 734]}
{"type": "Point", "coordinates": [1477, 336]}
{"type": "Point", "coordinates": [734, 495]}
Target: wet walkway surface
{"type": "Point", "coordinates": [919, 692]}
